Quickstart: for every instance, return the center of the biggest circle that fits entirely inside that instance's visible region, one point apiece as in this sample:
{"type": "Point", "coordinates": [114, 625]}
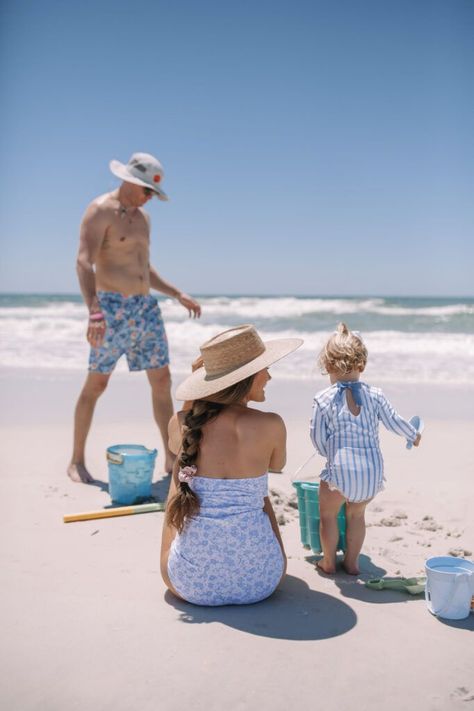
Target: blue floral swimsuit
{"type": "Point", "coordinates": [228, 554]}
{"type": "Point", "coordinates": [134, 327]}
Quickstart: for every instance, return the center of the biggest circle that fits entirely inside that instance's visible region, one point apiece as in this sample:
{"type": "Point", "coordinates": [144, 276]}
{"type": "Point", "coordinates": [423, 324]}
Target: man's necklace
{"type": "Point", "coordinates": [123, 212]}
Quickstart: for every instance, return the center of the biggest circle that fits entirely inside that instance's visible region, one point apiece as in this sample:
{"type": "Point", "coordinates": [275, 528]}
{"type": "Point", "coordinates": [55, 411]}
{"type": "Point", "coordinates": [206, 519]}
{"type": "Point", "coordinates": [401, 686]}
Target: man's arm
{"type": "Point", "coordinates": [91, 237]}
{"type": "Point", "coordinates": [157, 282]}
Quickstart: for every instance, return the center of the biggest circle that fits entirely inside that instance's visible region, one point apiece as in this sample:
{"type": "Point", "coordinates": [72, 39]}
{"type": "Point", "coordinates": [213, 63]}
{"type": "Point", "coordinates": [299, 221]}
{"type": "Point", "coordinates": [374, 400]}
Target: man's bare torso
{"type": "Point", "coordinates": [123, 259]}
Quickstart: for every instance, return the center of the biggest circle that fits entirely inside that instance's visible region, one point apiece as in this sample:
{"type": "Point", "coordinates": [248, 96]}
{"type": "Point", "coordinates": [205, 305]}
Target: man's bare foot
{"type": "Point", "coordinates": [79, 473]}
{"type": "Point", "coordinates": [350, 569]}
{"type": "Point", "coordinates": [325, 568]}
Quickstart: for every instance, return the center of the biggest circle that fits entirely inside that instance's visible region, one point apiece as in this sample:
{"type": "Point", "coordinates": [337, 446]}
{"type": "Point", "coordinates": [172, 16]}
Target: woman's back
{"type": "Point", "coordinates": [240, 443]}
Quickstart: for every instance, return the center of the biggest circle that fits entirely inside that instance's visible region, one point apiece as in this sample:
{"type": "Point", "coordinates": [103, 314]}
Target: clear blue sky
{"type": "Point", "coordinates": [309, 147]}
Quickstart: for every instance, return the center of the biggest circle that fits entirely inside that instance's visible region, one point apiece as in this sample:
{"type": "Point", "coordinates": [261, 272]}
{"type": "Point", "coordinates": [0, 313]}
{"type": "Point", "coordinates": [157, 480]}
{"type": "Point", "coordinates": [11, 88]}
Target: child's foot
{"type": "Point", "coordinates": [325, 568]}
{"type": "Point", "coordinates": [350, 569]}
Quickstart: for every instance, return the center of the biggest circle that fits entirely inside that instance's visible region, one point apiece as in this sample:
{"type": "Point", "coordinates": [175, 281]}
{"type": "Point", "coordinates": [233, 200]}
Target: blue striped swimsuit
{"type": "Point", "coordinates": [350, 443]}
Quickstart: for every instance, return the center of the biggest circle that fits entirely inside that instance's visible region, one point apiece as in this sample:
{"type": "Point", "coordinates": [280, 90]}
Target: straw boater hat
{"type": "Point", "coordinates": [141, 169]}
{"type": "Point", "coordinates": [230, 357]}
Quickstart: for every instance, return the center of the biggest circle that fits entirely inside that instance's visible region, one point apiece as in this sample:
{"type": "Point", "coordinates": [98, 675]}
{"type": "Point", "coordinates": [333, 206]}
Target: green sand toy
{"type": "Point", "coordinates": [413, 586]}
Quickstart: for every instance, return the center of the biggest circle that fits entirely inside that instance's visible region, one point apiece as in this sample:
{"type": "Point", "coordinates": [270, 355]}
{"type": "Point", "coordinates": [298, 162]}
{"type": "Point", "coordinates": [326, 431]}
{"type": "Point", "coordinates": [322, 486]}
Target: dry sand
{"type": "Point", "coordinates": [87, 623]}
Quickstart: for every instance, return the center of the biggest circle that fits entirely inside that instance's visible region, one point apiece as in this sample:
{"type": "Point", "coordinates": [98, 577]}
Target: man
{"type": "Point", "coordinates": [115, 276]}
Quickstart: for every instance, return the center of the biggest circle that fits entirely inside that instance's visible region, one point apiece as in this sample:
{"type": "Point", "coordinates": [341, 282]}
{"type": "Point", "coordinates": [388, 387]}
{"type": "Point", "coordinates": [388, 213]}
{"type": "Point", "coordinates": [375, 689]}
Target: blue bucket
{"type": "Point", "coordinates": [130, 472]}
{"type": "Point", "coordinates": [308, 510]}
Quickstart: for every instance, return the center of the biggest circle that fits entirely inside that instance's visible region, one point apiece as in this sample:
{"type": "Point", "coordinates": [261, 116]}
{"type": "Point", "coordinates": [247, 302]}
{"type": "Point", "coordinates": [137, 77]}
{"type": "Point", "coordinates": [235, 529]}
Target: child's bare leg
{"type": "Point", "coordinates": [329, 504]}
{"type": "Point", "coordinates": [355, 518]}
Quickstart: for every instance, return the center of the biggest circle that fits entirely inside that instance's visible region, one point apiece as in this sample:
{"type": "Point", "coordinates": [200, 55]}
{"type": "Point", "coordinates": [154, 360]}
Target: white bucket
{"type": "Point", "coordinates": [449, 586]}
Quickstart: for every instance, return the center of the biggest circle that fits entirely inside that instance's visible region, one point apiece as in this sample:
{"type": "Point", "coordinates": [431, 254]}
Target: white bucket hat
{"type": "Point", "coordinates": [142, 169]}
{"type": "Point", "coordinates": [230, 357]}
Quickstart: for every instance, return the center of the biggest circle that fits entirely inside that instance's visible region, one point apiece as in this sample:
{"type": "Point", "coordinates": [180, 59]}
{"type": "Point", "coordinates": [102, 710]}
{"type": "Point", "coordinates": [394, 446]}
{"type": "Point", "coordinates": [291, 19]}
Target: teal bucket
{"type": "Point", "coordinates": [130, 472]}
{"type": "Point", "coordinates": [308, 509]}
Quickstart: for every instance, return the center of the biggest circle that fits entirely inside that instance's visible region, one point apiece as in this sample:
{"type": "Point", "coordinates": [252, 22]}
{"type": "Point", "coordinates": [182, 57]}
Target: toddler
{"type": "Point", "coordinates": [344, 430]}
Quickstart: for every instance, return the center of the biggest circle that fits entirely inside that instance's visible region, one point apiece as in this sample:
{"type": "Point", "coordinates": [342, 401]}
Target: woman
{"type": "Point", "coordinates": [221, 544]}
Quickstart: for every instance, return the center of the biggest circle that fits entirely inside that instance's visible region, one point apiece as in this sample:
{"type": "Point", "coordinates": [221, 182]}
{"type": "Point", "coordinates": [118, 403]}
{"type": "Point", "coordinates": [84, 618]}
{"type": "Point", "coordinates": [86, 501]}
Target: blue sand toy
{"type": "Point", "coordinates": [130, 472]}
{"type": "Point", "coordinates": [308, 509]}
{"type": "Point", "coordinates": [419, 426]}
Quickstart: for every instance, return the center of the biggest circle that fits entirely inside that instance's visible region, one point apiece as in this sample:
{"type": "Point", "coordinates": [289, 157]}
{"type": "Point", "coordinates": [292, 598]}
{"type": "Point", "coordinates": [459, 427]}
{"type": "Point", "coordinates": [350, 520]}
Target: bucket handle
{"type": "Point", "coordinates": [293, 478]}
{"type": "Point", "coordinates": [452, 589]}
{"type": "Point", "coordinates": [114, 458]}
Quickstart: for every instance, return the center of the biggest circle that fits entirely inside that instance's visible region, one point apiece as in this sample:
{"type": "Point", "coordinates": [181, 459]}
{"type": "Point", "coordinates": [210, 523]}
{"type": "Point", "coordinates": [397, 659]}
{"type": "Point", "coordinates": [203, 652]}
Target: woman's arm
{"type": "Point", "coordinates": [278, 437]}
{"type": "Point", "coordinates": [268, 508]}
{"type": "Point", "coordinates": [168, 533]}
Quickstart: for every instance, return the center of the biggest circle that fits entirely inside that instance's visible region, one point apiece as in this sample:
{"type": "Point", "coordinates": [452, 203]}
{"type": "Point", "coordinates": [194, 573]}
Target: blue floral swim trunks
{"type": "Point", "coordinates": [134, 327]}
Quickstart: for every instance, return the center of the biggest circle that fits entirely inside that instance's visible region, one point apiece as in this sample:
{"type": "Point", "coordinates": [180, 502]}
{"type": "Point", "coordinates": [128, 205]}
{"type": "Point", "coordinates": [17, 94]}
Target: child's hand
{"type": "Point", "coordinates": [417, 440]}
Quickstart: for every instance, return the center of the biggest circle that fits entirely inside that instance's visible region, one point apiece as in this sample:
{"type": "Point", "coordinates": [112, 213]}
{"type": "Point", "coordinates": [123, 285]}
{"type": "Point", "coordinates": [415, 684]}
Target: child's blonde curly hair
{"type": "Point", "coordinates": [344, 352]}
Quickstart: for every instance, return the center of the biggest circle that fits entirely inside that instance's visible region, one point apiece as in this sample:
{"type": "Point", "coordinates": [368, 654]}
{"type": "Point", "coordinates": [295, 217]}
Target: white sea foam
{"type": "Point", "coordinates": [52, 335]}
{"type": "Point", "coordinates": [248, 308]}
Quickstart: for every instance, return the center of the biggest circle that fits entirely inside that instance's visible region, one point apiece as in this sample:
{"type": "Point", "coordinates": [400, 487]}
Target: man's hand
{"type": "Point", "coordinates": [417, 440]}
{"type": "Point", "coordinates": [95, 331]}
{"type": "Point", "coordinates": [194, 309]}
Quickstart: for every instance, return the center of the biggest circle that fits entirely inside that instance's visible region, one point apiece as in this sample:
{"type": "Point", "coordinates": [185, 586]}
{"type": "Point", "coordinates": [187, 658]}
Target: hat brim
{"type": "Point", "coordinates": [121, 171]}
{"type": "Point", "coordinates": [199, 385]}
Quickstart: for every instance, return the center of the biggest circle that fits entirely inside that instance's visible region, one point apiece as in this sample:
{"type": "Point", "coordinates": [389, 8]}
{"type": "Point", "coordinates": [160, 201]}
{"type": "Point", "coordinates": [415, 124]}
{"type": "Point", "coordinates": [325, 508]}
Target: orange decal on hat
{"type": "Point", "coordinates": [156, 178]}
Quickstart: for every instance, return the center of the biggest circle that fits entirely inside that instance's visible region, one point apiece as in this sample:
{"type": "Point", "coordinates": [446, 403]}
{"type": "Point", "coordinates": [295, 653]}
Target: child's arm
{"type": "Point", "coordinates": [395, 422]}
{"type": "Point", "coordinates": [318, 430]}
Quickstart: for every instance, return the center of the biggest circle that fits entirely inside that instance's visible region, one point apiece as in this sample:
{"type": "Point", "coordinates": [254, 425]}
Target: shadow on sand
{"type": "Point", "coordinates": [159, 489]}
{"type": "Point", "coordinates": [293, 612]}
{"type": "Point", "coordinates": [466, 624]}
{"type": "Point", "coordinates": [352, 586]}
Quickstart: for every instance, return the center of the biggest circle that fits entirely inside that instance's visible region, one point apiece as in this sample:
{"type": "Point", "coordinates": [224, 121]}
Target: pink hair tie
{"type": "Point", "coordinates": [97, 316]}
{"type": "Point", "coordinates": [186, 474]}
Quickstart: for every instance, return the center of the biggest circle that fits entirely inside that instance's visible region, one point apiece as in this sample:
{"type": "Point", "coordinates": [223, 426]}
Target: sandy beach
{"type": "Point", "coordinates": [86, 619]}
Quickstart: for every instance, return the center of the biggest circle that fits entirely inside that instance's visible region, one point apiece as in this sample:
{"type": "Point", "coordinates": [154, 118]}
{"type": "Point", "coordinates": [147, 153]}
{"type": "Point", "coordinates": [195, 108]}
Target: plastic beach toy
{"type": "Point", "coordinates": [449, 586]}
{"type": "Point", "coordinates": [413, 586]}
{"type": "Point", "coordinates": [308, 510]}
{"type": "Point", "coordinates": [130, 472]}
{"type": "Point", "coordinates": [419, 426]}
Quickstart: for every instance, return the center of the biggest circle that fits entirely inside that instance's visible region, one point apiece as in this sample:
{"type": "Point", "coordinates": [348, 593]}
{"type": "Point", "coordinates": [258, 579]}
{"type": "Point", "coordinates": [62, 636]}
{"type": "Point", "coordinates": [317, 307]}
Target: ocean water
{"type": "Point", "coordinates": [409, 340]}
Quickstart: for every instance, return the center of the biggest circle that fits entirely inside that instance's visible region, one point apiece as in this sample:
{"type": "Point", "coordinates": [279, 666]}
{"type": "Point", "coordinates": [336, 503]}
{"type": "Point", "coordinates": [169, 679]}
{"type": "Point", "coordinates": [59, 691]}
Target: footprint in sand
{"type": "Point", "coordinates": [459, 552]}
{"type": "Point", "coordinates": [462, 693]}
{"type": "Point", "coordinates": [286, 507]}
{"type": "Point", "coordinates": [394, 519]}
{"type": "Point", "coordinates": [454, 534]}
{"type": "Point", "coordinates": [390, 521]}
{"type": "Point", "coordinates": [400, 514]}
{"type": "Point", "coordinates": [429, 524]}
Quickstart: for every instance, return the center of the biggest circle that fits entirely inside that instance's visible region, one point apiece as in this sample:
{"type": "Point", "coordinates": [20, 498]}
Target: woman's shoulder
{"type": "Point", "coordinates": [251, 417]}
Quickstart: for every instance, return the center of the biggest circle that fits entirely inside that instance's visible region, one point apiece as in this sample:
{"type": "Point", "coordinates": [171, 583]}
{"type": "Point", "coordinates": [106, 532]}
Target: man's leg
{"type": "Point", "coordinates": [160, 381]}
{"type": "Point", "coordinates": [93, 388]}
